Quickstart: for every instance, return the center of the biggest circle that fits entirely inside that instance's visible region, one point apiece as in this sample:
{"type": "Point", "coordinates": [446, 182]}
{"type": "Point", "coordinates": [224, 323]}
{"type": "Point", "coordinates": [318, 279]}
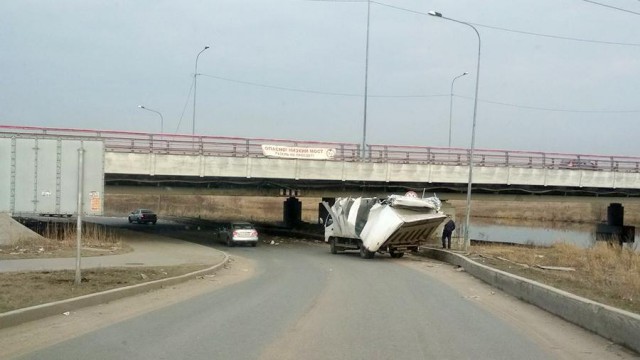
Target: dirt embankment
{"type": "Point", "coordinates": [249, 208]}
{"type": "Point", "coordinates": [269, 209]}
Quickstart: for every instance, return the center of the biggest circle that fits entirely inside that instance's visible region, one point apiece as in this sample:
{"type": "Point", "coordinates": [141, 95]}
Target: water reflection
{"type": "Point", "coordinates": [541, 233]}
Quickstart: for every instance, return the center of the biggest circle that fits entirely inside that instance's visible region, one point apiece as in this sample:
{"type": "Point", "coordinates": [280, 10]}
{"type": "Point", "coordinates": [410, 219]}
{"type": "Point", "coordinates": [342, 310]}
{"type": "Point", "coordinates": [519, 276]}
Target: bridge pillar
{"type": "Point", "coordinates": [615, 228]}
{"type": "Point", "coordinates": [292, 212]}
{"type": "Point", "coordinates": [322, 212]}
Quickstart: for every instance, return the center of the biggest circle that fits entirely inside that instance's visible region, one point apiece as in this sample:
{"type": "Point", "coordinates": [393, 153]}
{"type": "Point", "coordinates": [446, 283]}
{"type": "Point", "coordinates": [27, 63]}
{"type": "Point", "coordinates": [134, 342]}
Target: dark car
{"type": "Point", "coordinates": [143, 216]}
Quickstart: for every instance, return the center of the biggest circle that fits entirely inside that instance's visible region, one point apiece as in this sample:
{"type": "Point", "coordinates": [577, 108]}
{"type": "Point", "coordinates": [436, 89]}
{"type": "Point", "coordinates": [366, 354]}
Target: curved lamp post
{"type": "Point", "coordinates": [451, 102]}
{"type": "Point", "coordinates": [473, 129]}
{"type": "Point", "coordinates": [157, 112]}
{"type": "Point", "coordinates": [195, 86]}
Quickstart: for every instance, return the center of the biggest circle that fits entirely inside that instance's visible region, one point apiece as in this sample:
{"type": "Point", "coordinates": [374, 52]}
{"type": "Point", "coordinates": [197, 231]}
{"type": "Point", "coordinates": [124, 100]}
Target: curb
{"type": "Point", "coordinates": [619, 326]}
{"type": "Point", "coordinates": [20, 316]}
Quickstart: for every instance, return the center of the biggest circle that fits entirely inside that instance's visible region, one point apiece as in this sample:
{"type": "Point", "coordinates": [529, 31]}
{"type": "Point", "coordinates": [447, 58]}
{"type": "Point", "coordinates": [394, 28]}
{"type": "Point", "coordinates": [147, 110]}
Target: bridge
{"type": "Point", "coordinates": [134, 158]}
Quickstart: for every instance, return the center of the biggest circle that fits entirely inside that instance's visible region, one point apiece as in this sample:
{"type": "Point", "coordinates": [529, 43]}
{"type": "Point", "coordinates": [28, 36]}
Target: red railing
{"type": "Point", "coordinates": [138, 142]}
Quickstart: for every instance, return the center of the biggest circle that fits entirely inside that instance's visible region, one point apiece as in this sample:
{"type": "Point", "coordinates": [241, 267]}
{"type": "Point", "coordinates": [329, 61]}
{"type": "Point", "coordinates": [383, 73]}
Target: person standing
{"type": "Point", "coordinates": [446, 234]}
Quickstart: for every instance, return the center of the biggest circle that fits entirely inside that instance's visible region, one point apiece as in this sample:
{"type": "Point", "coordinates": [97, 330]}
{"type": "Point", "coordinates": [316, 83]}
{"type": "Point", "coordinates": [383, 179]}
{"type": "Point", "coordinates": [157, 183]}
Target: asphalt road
{"type": "Point", "coordinates": [304, 303]}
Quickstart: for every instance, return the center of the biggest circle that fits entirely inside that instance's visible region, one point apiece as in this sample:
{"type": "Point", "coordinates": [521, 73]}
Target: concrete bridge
{"type": "Point", "coordinates": [247, 164]}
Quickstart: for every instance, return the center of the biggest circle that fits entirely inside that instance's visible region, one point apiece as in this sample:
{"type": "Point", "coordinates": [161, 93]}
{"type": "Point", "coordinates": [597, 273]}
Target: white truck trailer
{"type": "Point", "coordinates": [393, 225]}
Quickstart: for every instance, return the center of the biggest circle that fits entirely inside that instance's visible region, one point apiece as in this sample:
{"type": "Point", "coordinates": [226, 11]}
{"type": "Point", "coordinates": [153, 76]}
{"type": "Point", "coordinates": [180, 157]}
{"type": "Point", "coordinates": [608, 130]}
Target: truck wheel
{"type": "Point", "coordinates": [396, 255]}
{"type": "Point", "coordinates": [332, 243]}
{"type": "Point", "coordinates": [366, 254]}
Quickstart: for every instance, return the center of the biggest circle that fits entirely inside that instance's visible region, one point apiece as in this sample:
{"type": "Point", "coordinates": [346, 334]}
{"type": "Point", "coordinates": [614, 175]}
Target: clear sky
{"type": "Point", "coordinates": [295, 69]}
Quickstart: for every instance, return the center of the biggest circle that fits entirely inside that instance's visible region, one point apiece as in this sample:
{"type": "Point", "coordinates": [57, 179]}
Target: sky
{"type": "Point", "coordinates": [555, 75]}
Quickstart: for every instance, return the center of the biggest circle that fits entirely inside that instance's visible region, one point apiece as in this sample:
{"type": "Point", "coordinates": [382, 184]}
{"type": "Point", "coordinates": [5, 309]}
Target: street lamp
{"type": "Point", "coordinates": [473, 129]}
{"type": "Point", "coordinates": [451, 103]}
{"type": "Point", "coordinates": [366, 78]}
{"type": "Point", "coordinates": [195, 83]}
{"type": "Point", "coordinates": [157, 112]}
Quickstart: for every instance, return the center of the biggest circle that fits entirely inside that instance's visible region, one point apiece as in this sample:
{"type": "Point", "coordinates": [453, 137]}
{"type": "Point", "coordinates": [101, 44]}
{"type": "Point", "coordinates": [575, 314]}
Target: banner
{"type": "Point", "coordinates": [290, 152]}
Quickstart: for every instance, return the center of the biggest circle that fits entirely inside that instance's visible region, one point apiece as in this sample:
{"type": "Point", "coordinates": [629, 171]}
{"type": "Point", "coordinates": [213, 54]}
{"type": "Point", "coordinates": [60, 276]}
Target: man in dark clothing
{"type": "Point", "coordinates": [446, 234]}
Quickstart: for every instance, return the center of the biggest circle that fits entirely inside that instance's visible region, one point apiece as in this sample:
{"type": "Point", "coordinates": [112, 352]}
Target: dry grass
{"type": "Point", "coordinates": [559, 211]}
{"type": "Point", "coordinates": [23, 289]}
{"type": "Point", "coordinates": [59, 240]}
{"type": "Point", "coordinates": [218, 207]}
{"type": "Point", "coordinates": [604, 273]}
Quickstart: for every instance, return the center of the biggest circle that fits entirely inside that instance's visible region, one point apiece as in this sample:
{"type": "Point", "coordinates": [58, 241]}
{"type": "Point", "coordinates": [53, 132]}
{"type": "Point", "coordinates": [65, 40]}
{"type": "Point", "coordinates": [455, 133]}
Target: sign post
{"type": "Point", "coordinates": [78, 278]}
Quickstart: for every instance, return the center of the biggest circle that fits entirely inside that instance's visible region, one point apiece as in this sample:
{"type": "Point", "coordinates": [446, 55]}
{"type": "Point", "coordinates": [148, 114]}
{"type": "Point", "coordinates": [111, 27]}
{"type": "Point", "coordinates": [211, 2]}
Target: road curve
{"type": "Point", "coordinates": [304, 303]}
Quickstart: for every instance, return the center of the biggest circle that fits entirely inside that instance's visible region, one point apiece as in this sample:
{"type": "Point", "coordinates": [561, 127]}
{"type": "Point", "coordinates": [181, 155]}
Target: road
{"type": "Point", "coordinates": [297, 301]}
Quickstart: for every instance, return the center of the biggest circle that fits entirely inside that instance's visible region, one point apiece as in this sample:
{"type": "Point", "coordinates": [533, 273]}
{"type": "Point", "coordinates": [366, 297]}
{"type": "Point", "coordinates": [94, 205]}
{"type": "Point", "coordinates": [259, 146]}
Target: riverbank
{"type": "Point", "coordinates": [551, 211]}
{"type": "Point", "coordinates": [604, 273]}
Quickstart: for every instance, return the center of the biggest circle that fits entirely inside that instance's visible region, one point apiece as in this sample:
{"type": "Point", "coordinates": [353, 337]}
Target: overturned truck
{"type": "Point", "coordinates": [393, 225]}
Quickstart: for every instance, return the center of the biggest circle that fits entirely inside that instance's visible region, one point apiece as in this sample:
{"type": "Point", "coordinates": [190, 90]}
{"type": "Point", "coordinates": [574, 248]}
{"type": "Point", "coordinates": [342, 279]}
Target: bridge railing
{"type": "Point", "coordinates": [177, 144]}
{"type": "Point", "coordinates": [500, 158]}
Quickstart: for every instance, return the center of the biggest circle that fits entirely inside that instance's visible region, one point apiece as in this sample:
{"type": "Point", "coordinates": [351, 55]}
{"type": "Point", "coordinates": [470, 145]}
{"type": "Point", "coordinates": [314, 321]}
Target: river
{"type": "Point", "coordinates": [536, 232]}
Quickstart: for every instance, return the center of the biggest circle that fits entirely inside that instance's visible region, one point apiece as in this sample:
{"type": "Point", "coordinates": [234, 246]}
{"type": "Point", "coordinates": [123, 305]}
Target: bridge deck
{"type": "Point", "coordinates": [148, 154]}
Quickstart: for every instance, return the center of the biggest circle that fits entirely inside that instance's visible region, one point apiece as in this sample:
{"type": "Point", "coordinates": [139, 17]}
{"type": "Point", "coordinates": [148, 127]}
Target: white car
{"type": "Point", "coordinates": [238, 233]}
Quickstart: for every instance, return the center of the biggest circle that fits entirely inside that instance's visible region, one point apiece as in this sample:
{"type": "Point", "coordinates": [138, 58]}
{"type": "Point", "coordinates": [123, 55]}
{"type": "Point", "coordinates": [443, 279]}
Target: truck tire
{"type": "Point", "coordinates": [396, 255]}
{"type": "Point", "coordinates": [366, 254]}
{"type": "Point", "coordinates": [332, 244]}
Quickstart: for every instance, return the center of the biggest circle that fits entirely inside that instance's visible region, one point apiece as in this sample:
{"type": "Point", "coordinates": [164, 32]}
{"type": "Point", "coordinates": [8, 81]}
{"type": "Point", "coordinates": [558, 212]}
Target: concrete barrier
{"type": "Point", "coordinates": [619, 326]}
{"type": "Point", "coordinates": [37, 312]}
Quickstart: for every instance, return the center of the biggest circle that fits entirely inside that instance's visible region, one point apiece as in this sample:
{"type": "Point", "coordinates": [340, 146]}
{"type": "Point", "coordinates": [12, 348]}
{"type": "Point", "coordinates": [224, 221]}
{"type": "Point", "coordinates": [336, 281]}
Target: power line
{"type": "Point", "coordinates": [552, 109]}
{"type": "Point", "coordinates": [316, 91]}
{"type": "Point", "coordinates": [282, 88]}
{"type": "Point", "coordinates": [612, 7]}
{"type": "Point", "coordinates": [517, 31]}
{"type": "Point", "coordinates": [185, 105]}
{"type": "Point", "coordinates": [557, 36]}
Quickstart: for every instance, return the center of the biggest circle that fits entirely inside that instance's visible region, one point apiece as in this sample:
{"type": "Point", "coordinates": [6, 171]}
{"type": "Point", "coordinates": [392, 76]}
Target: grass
{"type": "Point", "coordinates": [605, 273]}
{"type": "Point", "coordinates": [218, 207]}
{"type": "Point", "coordinates": [23, 289]}
{"type": "Point", "coordinates": [556, 211]}
{"type": "Point", "coordinates": [59, 240]}
{"type": "Point", "coordinates": [42, 287]}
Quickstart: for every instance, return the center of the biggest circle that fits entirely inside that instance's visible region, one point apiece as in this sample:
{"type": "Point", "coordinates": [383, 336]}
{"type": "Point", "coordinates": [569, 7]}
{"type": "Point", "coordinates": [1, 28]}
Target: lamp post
{"type": "Point", "coordinates": [366, 78]}
{"type": "Point", "coordinates": [157, 112]}
{"type": "Point", "coordinates": [451, 103]}
{"type": "Point", "coordinates": [473, 129]}
{"type": "Point", "coordinates": [195, 86]}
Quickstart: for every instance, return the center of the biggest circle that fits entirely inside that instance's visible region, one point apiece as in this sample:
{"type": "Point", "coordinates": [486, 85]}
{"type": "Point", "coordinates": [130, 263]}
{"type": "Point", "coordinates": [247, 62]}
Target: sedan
{"type": "Point", "coordinates": [143, 216]}
{"type": "Point", "coordinates": [238, 233]}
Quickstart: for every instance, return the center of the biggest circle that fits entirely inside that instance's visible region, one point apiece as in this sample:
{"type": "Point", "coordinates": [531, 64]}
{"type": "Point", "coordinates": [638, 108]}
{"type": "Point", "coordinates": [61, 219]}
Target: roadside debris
{"type": "Point", "coordinates": [557, 268]}
{"type": "Point", "coordinates": [66, 313]}
{"type": "Point", "coordinates": [458, 268]}
{"type": "Point", "coordinates": [144, 277]}
{"type": "Point", "coordinates": [513, 262]}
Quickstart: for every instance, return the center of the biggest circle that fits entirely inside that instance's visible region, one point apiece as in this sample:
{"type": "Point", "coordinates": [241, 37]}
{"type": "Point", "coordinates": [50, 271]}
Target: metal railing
{"type": "Point", "coordinates": [138, 142]}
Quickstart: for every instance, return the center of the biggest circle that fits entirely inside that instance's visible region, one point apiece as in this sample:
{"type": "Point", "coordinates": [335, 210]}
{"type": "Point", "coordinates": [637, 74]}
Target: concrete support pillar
{"type": "Point", "coordinates": [292, 212]}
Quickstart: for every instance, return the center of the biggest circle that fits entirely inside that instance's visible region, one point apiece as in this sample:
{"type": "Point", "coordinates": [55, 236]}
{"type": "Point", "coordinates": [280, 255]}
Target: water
{"type": "Point", "coordinates": [536, 232]}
